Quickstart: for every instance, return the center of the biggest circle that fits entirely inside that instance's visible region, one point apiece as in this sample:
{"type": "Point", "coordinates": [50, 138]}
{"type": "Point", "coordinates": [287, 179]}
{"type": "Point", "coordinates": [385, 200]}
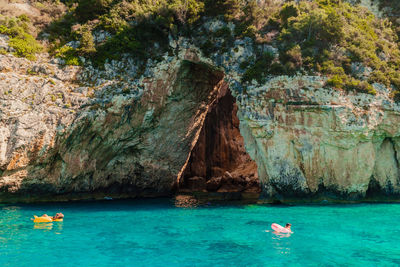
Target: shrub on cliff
{"type": "Point", "coordinates": [331, 35]}
{"type": "Point", "coordinates": [230, 9]}
{"type": "Point", "coordinates": [396, 96]}
{"type": "Point", "coordinates": [391, 9]}
{"type": "Point", "coordinates": [24, 44]}
{"type": "Point", "coordinates": [323, 37]}
{"type": "Point", "coordinates": [260, 69]}
{"type": "Point", "coordinates": [69, 55]}
{"type": "Point", "coordinates": [91, 9]}
{"type": "Point", "coordinates": [136, 26]}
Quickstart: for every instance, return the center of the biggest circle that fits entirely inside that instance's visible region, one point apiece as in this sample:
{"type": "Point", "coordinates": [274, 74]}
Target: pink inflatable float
{"type": "Point", "coordinates": [280, 229]}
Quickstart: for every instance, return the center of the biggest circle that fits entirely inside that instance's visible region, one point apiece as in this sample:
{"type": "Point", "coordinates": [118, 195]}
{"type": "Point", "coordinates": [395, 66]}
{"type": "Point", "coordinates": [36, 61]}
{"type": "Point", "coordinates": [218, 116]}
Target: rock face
{"type": "Point", "coordinates": [38, 101]}
{"type": "Point", "coordinates": [185, 126]}
{"type": "Point", "coordinates": [127, 147]}
{"type": "Point", "coordinates": [138, 147]}
{"type": "Point", "coordinates": [314, 143]}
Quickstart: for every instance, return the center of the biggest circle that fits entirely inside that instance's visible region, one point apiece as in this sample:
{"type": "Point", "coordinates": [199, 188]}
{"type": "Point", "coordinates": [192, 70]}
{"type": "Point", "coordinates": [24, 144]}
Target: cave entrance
{"type": "Point", "coordinates": [219, 162]}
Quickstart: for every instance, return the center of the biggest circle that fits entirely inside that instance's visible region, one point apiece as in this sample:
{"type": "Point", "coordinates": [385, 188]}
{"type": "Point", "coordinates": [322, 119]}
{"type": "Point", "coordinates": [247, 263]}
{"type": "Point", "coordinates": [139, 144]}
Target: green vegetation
{"type": "Point", "coordinates": [21, 40]}
{"type": "Point", "coordinates": [346, 43]}
{"type": "Point", "coordinates": [392, 9]}
{"type": "Point", "coordinates": [69, 55]}
{"type": "Point", "coordinates": [136, 27]}
{"type": "Point", "coordinates": [320, 36]}
{"type": "Point", "coordinates": [326, 37]}
{"type": "Point", "coordinates": [329, 35]}
{"type": "Point", "coordinates": [259, 70]}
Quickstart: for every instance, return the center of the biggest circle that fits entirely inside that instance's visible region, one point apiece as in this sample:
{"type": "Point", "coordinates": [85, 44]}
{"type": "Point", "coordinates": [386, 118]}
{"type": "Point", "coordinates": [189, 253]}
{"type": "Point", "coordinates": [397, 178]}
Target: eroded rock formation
{"type": "Point", "coordinates": [175, 128]}
{"type": "Point", "coordinates": [314, 143]}
{"type": "Point", "coordinates": [129, 147]}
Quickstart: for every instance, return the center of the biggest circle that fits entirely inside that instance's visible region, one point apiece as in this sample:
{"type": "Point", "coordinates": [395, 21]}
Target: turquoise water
{"type": "Point", "coordinates": [156, 233]}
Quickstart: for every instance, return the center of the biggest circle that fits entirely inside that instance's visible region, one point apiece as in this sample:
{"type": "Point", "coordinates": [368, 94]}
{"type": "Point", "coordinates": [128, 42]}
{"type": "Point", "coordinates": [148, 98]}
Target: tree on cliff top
{"type": "Point", "coordinates": [325, 37]}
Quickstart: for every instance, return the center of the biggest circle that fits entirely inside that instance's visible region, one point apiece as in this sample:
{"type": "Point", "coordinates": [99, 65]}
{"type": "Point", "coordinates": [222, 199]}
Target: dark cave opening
{"type": "Point", "coordinates": [219, 162]}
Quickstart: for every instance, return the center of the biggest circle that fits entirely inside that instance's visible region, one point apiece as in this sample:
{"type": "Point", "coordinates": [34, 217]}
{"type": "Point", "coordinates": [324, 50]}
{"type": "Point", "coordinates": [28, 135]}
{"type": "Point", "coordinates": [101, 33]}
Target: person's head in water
{"type": "Point", "coordinates": [288, 225]}
{"type": "Point", "coordinates": [58, 216]}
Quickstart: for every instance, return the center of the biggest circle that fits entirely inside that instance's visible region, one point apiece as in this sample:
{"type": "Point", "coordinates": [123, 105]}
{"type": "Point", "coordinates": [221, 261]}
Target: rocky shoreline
{"type": "Point", "coordinates": [187, 125]}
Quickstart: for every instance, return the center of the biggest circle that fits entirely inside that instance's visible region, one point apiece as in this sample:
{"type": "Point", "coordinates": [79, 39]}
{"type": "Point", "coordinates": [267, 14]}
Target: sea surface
{"type": "Point", "coordinates": [158, 233]}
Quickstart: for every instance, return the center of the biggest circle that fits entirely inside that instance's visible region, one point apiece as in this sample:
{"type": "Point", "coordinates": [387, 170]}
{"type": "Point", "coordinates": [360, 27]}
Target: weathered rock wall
{"type": "Point", "coordinates": [38, 100]}
{"type": "Point", "coordinates": [314, 143]}
{"type": "Point", "coordinates": [125, 147]}
{"type": "Point", "coordinates": [127, 137]}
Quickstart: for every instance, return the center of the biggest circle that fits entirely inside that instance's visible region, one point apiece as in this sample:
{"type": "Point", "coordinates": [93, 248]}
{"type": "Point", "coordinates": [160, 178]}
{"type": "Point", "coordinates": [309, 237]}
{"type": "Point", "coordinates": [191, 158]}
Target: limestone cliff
{"type": "Point", "coordinates": [133, 145]}
{"type": "Point", "coordinates": [310, 142]}
{"type": "Point", "coordinates": [187, 125]}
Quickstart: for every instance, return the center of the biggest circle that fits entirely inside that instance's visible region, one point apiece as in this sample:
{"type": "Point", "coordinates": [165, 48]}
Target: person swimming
{"type": "Point", "coordinates": [280, 229]}
{"type": "Point", "coordinates": [58, 216]}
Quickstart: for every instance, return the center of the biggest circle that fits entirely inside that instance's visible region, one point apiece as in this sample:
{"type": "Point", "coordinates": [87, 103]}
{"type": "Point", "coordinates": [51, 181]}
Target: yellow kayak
{"type": "Point", "coordinates": [45, 219]}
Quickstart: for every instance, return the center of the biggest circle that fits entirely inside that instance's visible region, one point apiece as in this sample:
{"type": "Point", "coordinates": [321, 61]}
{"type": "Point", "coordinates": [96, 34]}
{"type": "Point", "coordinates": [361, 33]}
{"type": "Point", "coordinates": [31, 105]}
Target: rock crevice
{"type": "Point", "coordinates": [219, 161]}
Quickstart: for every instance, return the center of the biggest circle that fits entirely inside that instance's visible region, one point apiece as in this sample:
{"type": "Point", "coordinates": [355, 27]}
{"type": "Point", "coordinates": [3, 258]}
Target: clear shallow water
{"type": "Point", "coordinates": [156, 233]}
